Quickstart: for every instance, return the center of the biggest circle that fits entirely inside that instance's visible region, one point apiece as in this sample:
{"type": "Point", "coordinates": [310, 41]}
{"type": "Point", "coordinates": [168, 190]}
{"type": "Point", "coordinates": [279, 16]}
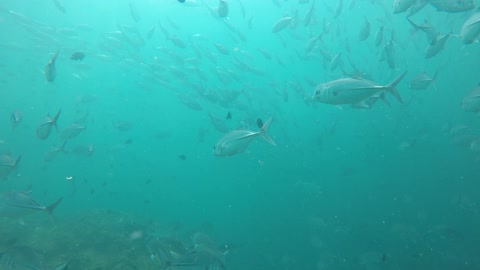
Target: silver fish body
{"type": "Point", "coordinates": [400, 6]}
{"type": "Point", "coordinates": [471, 101]}
{"type": "Point", "coordinates": [422, 81]}
{"type": "Point", "coordinates": [45, 127]}
{"type": "Point", "coordinates": [237, 141]}
{"type": "Point", "coordinates": [352, 91]}
{"type": "Point", "coordinates": [19, 204]}
{"type": "Point", "coordinates": [22, 258]}
{"type": "Point", "coordinates": [222, 9]}
{"type": "Point", "coordinates": [8, 164]}
{"type": "Point", "coordinates": [50, 71]}
{"type": "Point", "coordinates": [453, 6]}
{"type": "Point", "coordinates": [281, 24]}
{"type": "Point", "coordinates": [365, 31]}
{"type": "Point", "coordinates": [433, 50]}
{"type": "Point", "coordinates": [379, 36]}
{"type": "Point", "coordinates": [471, 28]}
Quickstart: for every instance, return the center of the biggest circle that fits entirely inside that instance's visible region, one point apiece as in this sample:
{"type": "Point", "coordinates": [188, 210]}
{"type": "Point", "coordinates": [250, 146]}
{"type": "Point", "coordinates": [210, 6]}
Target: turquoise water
{"type": "Point", "coordinates": [390, 187]}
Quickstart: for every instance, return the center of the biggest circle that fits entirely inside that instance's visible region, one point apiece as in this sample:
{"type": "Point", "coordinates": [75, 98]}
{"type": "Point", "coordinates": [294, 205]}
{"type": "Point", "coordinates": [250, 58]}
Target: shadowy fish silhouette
{"type": "Point", "coordinates": [44, 128]}
{"type": "Point", "coordinates": [50, 71]}
{"type": "Point", "coordinates": [15, 204]}
{"type": "Point", "coordinates": [7, 164]}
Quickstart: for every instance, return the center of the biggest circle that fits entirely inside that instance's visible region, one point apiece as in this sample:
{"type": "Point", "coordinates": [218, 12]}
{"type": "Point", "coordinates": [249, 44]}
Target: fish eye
{"type": "Point", "coordinates": [335, 93]}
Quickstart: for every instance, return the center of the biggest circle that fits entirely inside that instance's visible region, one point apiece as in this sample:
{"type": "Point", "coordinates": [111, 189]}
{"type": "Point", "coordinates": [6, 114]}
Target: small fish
{"type": "Point", "coordinates": [19, 204]}
{"type": "Point", "coordinates": [134, 12]}
{"type": "Point", "coordinates": [433, 50]}
{"type": "Point", "coordinates": [400, 6]}
{"type": "Point", "coordinates": [453, 6]}
{"type": "Point", "coordinates": [85, 150]}
{"type": "Point", "coordinates": [365, 31]}
{"type": "Point", "coordinates": [50, 71]}
{"type": "Point", "coordinates": [259, 122]}
{"type": "Point", "coordinates": [422, 81]}
{"type": "Point", "coordinates": [379, 36]}
{"type": "Point", "coordinates": [22, 258]}
{"type": "Point", "coordinates": [182, 157]}
{"type": "Point", "coordinates": [310, 14]}
{"type": "Point", "coordinates": [59, 6]}
{"type": "Point", "coordinates": [53, 152]}
{"type": "Point", "coordinates": [353, 91]}
{"type": "Point", "coordinates": [150, 32]}
{"type": "Point", "coordinates": [229, 116]}
{"type": "Point", "coordinates": [471, 28]}
{"type": "Point", "coordinates": [15, 118]}
{"type": "Point", "coordinates": [222, 9]}
{"type": "Point", "coordinates": [471, 101]}
{"type": "Point", "coordinates": [338, 9]}
{"type": "Point", "coordinates": [237, 141]}
{"type": "Point", "coordinates": [72, 131]}
{"type": "Point", "coordinates": [281, 24]}
{"type": "Point", "coordinates": [8, 164]}
{"type": "Point", "coordinates": [222, 49]}
{"type": "Point", "coordinates": [77, 56]}
{"type": "Point", "coordinates": [44, 128]}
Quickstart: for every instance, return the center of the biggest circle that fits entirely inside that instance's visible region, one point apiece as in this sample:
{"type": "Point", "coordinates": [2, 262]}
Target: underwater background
{"type": "Point", "coordinates": [391, 186]}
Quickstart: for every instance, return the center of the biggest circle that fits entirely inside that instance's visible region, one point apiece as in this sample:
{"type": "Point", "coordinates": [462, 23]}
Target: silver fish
{"type": "Point", "coordinates": [59, 6]}
{"type": "Point", "coordinates": [471, 101]}
{"type": "Point", "coordinates": [471, 28]}
{"type": "Point", "coordinates": [430, 31]}
{"type": "Point", "coordinates": [453, 6]}
{"type": "Point", "coordinates": [353, 91]}
{"type": "Point", "coordinates": [309, 16]}
{"type": "Point", "coordinates": [237, 141]}
{"type": "Point", "coordinates": [22, 258]}
{"type": "Point", "coordinates": [53, 152]}
{"type": "Point", "coordinates": [338, 9]}
{"type": "Point", "coordinates": [415, 8]}
{"type": "Point", "coordinates": [83, 150]}
{"type": "Point", "coordinates": [400, 6]}
{"type": "Point", "coordinates": [8, 164]}
{"type": "Point", "coordinates": [202, 256]}
{"type": "Point", "coordinates": [50, 71]}
{"type": "Point", "coordinates": [134, 12]}
{"type": "Point", "coordinates": [433, 50]}
{"type": "Point", "coordinates": [44, 128]}
{"type": "Point", "coordinates": [222, 9]}
{"type": "Point", "coordinates": [72, 131]}
{"type": "Point", "coordinates": [15, 118]}
{"type": "Point", "coordinates": [164, 250]}
{"type": "Point", "coordinates": [422, 81]}
{"type": "Point", "coordinates": [281, 24]}
{"type": "Point", "coordinates": [379, 36]}
{"type": "Point", "coordinates": [18, 204]}
{"type": "Point", "coordinates": [365, 31]}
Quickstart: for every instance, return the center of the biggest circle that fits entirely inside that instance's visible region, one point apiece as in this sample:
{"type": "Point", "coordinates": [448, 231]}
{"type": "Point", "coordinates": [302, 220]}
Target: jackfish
{"type": "Point", "coordinates": [353, 91]}
{"type": "Point", "coordinates": [50, 71]}
{"type": "Point", "coordinates": [237, 141]}
{"type": "Point", "coordinates": [45, 127]}
{"type": "Point", "coordinates": [15, 204]}
{"type": "Point", "coordinates": [471, 28]}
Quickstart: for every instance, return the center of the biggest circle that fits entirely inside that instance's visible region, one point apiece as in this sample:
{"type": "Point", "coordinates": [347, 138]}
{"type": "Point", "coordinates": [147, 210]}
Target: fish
{"type": "Point", "coordinates": [400, 6]}
{"type": "Point", "coordinates": [310, 14]}
{"type": "Point", "coordinates": [22, 258]}
{"type": "Point", "coordinates": [85, 150]}
{"type": "Point", "coordinates": [202, 256]}
{"type": "Point", "coordinates": [415, 8]}
{"type": "Point", "coordinates": [433, 50]}
{"type": "Point", "coordinates": [281, 24]}
{"type": "Point", "coordinates": [16, 205]}
{"type": "Point", "coordinates": [164, 250]}
{"type": "Point", "coordinates": [430, 31]}
{"type": "Point", "coordinates": [222, 9]}
{"type": "Point", "coordinates": [422, 81]}
{"type": "Point", "coordinates": [338, 9]}
{"type": "Point", "coordinates": [379, 36]}
{"type": "Point", "coordinates": [16, 118]}
{"type": "Point", "coordinates": [471, 28]}
{"type": "Point", "coordinates": [59, 6]}
{"type": "Point", "coordinates": [53, 152]}
{"type": "Point", "coordinates": [50, 71]}
{"type": "Point", "coordinates": [222, 49]}
{"type": "Point", "coordinates": [77, 56]}
{"type": "Point", "coordinates": [336, 60]}
{"type": "Point", "coordinates": [229, 116]}
{"type": "Point", "coordinates": [150, 32]}
{"type": "Point", "coordinates": [237, 141]}
{"type": "Point", "coordinates": [44, 128]}
{"type": "Point", "coordinates": [365, 31]}
{"type": "Point", "coordinates": [353, 91]}
{"type": "Point", "coordinates": [453, 6]}
{"type": "Point", "coordinates": [134, 12]}
{"type": "Point", "coordinates": [72, 131]}
{"type": "Point", "coordinates": [471, 101]}
{"type": "Point", "coordinates": [8, 164]}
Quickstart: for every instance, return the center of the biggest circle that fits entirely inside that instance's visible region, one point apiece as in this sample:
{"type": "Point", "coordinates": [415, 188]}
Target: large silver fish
{"type": "Point", "coordinates": [22, 258]}
{"type": "Point", "coordinates": [164, 250]}
{"type": "Point", "coordinates": [433, 50]}
{"type": "Point", "coordinates": [400, 6]}
{"type": "Point", "coordinates": [281, 24]}
{"type": "Point", "coordinates": [422, 81]}
{"type": "Point", "coordinates": [18, 204]}
{"type": "Point", "coordinates": [353, 91]}
{"type": "Point", "coordinates": [45, 127]}
{"type": "Point", "coordinates": [471, 101]}
{"type": "Point", "coordinates": [453, 6]}
{"type": "Point", "coordinates": [8, 164]}
{"type": "Point", "coordinates": [237, 141]}
{"type": "Point", "coordinates": [50, 71]}
{"type": "Point", "coordinates": [471, 28]}
{"type": "Point", "coordinates": [430, 31]}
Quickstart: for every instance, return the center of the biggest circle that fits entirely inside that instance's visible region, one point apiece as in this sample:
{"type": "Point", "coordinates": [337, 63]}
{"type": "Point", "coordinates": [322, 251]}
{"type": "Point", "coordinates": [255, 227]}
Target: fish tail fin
{"type": "Point", "coordinates": [391, 86]}
{"type": "Point", "coordinates": [52, 207]}
{"type": "Point", "coordinates": [384, 99]}
{"type": "Point", "coordinates": [55, 118]}
{"type": "Point", "coordinates": [264, 130]}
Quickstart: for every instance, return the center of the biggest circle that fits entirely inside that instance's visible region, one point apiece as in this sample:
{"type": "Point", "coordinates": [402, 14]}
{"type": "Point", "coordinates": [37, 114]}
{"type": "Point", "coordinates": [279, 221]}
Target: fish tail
{"type": "Point", "coordinates": [55, 118]}
{"type": "Point", "coordinates": [264, 130]}
{"type": "Point", "coordinates": [52, 207]}
{"type": "Point", "coordinates": [384, 99]}
{"type": "Point", "coordinates": [391, 86]}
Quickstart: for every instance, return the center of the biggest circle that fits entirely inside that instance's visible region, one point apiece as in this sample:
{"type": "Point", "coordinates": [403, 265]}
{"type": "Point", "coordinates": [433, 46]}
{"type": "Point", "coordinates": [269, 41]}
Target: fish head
{"type": "Point", "coordinates": [325, 93]}
{"type": "Point", "coordinates": [219, 150]}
